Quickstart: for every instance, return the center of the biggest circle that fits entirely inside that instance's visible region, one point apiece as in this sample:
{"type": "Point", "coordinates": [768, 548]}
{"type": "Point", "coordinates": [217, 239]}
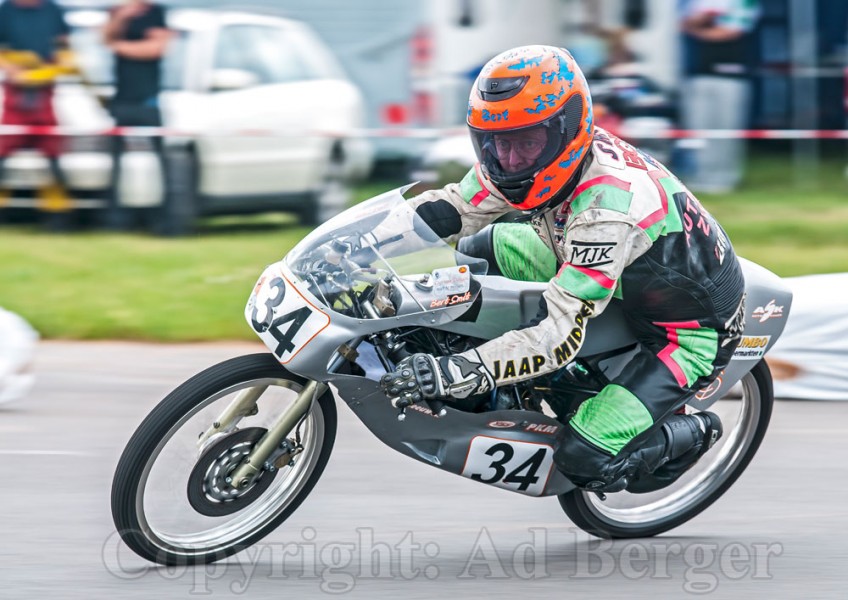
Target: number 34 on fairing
{"type": "Point", "coordinates": [518, 466]}
{"type": "Point", "coordinates": [282, 316]}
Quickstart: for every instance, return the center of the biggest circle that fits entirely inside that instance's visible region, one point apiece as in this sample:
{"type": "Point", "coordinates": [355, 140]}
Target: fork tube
{"type": "Point", "coordinates": [243, 404]}
{"type": "Point", "coordinates": [272, 439]}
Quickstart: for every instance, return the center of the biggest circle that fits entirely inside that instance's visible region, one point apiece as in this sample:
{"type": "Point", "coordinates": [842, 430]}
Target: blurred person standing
{"type": "Point", "coordinates": [33, 52]}
{"type": "Point", "coordinates": [718, 57]}
{"type": "Point", "coordinates": [138, 36]}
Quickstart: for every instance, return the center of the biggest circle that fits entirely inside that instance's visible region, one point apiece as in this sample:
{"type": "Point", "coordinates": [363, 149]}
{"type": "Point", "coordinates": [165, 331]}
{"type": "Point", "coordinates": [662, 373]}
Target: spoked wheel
{"type": "Point", "coordinates": [173, 500]}
{"type": "Point", "coordinates": [625, 515]}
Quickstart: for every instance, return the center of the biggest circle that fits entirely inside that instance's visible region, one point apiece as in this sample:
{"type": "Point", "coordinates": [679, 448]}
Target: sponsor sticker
{"type": "Point", "coordinates": [450, 300]}
{"type": "Point", "coordinates": [542, 428]}
{"type": "Point", "coordinates": [710, 390]}
{"type": "Point", "coordinates": [451, 281]}
{"type": "Point", "coordinates": [752, 347]}
{"type": "Point", "coordinates": [524, 366]}
{"type": "Point", "coordinates": [501, 424]}
{"type": "Point", "coordinates": [769, 311]}
{"type": "Point", "coordinates": [590, 254]}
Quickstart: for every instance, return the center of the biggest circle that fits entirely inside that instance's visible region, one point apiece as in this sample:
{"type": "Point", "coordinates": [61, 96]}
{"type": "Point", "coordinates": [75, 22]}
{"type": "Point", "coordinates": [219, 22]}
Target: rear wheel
{"type": "Point", "coordinates": [171, 501]}
{"type": "Point", "coordinates": [624, 515]}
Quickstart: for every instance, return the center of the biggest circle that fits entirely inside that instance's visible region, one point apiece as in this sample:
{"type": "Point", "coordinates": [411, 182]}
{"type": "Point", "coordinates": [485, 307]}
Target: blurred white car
{"type": "Point", "coordinates": [265, 116]}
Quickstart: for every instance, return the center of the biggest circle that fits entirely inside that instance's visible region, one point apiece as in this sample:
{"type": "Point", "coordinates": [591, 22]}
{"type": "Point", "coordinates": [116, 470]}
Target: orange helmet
{"type": "Point", "coordinates": [530, 116]}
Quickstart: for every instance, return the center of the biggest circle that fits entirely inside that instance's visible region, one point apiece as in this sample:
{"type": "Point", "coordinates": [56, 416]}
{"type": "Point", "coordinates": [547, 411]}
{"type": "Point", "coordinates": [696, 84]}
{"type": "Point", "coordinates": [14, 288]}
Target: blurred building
{"type": "Point", "coordinates": [415, 60]}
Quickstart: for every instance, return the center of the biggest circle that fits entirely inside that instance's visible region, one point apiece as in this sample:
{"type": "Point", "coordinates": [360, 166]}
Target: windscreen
{"type": "Point", "coordinates": [383, 239]}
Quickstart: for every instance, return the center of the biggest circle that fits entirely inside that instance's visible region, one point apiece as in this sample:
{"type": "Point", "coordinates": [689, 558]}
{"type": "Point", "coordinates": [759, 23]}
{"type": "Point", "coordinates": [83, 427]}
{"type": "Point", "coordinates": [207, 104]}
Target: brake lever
{"type": "Point", "coordinates": [436, 406]}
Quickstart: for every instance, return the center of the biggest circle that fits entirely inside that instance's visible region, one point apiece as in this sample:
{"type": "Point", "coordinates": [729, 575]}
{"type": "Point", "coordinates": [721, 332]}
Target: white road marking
{"type": "Point", "coordinates": [43, 453]}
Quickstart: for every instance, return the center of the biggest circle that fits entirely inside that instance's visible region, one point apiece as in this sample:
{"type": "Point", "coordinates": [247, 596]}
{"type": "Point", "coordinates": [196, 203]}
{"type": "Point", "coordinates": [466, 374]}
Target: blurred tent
{"type": "Point", "coordinates": [810, 360]}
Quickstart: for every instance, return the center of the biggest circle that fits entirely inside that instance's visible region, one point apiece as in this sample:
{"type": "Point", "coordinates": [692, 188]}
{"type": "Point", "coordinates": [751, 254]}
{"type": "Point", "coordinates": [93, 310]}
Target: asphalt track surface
{"type": "Point", "coordinates": [379, 525]}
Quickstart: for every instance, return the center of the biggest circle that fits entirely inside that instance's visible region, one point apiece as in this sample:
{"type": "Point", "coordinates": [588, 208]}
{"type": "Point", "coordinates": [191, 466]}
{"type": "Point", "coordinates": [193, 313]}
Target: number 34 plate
{"type": "Point", "coordinates": [284, 319]}
{"type": "Point", "coordinates": [518, 466]}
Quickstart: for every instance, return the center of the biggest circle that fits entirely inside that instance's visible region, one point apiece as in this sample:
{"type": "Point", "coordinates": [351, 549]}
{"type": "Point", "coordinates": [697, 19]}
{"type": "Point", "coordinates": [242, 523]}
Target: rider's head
{"type": "Point", "coordinates": [530, 116]}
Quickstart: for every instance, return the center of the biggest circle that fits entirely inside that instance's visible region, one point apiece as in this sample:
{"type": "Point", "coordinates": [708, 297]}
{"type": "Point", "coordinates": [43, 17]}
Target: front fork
{"type": "Point", "coordinates": [243, 406]}
{"type": "Point", "coordinates": [273, 438]}
{"type": "Point", "coordinates": [273, 442]}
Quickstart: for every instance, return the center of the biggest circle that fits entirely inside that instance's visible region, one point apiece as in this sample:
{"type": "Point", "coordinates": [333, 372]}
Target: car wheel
{"type": "Point", "coordinates": [332, 196]}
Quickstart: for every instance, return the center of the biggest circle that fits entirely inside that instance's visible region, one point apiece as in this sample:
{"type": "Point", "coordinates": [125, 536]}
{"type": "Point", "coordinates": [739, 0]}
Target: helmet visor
{"type": "Point", "coordinates": [514, 155]}
{"type": "Point", "coordinates": [510, 156]}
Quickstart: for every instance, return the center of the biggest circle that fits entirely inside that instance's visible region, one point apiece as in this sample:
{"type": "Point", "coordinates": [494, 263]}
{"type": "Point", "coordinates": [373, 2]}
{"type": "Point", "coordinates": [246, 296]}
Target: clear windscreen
{"type": "Point", "coordinates": [382, 253]}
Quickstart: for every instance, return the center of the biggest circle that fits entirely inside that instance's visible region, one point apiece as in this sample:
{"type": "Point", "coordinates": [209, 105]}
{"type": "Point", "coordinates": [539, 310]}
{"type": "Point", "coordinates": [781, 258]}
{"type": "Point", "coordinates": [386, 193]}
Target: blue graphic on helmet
{"type": "Point", "coordinates": [545, 104]}
{"type": "Point", "coordinates": [526, 62]}
{"type": "Point", "coordinates": [563, 74]}
{"type": "Point", "coordinates": [573, 156]}
{"type": "Point", "coordinates": [549, 178]}
{"type": "Point", "coordinates": [545, 191]}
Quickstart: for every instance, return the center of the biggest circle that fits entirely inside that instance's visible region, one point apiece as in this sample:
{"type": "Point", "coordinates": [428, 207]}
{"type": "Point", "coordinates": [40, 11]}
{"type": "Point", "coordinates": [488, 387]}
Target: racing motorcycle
{"type": "Point", "coordinates": [231, 453]}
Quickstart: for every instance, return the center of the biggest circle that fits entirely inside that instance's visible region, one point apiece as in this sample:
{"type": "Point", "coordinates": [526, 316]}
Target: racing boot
{"type": "Point", "coordinates": [676, 447]}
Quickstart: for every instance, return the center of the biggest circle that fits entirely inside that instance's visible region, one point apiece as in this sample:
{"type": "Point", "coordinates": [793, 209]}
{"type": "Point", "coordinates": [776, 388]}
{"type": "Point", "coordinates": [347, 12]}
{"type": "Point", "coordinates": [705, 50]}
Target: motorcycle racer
{"type": "Point", "coordinates": [605, 221]}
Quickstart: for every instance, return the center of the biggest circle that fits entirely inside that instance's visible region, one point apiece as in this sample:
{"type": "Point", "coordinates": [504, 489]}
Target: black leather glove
{"type": "Point", "coordinates": [423, 377]}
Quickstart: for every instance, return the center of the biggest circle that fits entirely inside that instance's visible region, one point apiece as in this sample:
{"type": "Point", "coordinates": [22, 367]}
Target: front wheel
{"type": "Point", "coordinates": [745, 418]}
{"type": "Point", "coordinates": [170, 500]}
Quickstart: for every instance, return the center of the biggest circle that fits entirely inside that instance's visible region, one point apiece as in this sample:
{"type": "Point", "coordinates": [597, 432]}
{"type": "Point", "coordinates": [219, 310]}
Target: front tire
{"type": "Point", "coordinates": [150, 506]}
{"type": "Point", "coordinates": [625, 515]}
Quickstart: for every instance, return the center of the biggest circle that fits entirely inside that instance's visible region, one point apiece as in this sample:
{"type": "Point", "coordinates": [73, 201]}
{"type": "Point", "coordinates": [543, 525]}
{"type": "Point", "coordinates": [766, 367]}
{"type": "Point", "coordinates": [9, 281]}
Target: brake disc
{"type": "Point", "coordinates": [209, 493]}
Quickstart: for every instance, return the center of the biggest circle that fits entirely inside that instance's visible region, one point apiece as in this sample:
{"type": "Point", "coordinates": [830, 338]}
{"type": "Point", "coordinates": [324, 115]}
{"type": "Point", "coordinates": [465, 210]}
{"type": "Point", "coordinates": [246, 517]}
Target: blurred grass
{"type": "Point", "coordinates": [789, 224]}
{"type": "Point", "coordinates": [96, 285]}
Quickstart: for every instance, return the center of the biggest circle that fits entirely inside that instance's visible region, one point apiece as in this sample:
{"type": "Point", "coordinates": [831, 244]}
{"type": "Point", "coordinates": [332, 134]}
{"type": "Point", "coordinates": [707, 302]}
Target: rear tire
{"type": "Point", "coordinates": [130, 502]}
{"type": "Point", "coordinates": [625, 515]}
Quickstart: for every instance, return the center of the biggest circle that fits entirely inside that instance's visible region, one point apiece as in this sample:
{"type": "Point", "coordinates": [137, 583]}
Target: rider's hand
{"type": "Point", "coordinates": [424, 377]}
